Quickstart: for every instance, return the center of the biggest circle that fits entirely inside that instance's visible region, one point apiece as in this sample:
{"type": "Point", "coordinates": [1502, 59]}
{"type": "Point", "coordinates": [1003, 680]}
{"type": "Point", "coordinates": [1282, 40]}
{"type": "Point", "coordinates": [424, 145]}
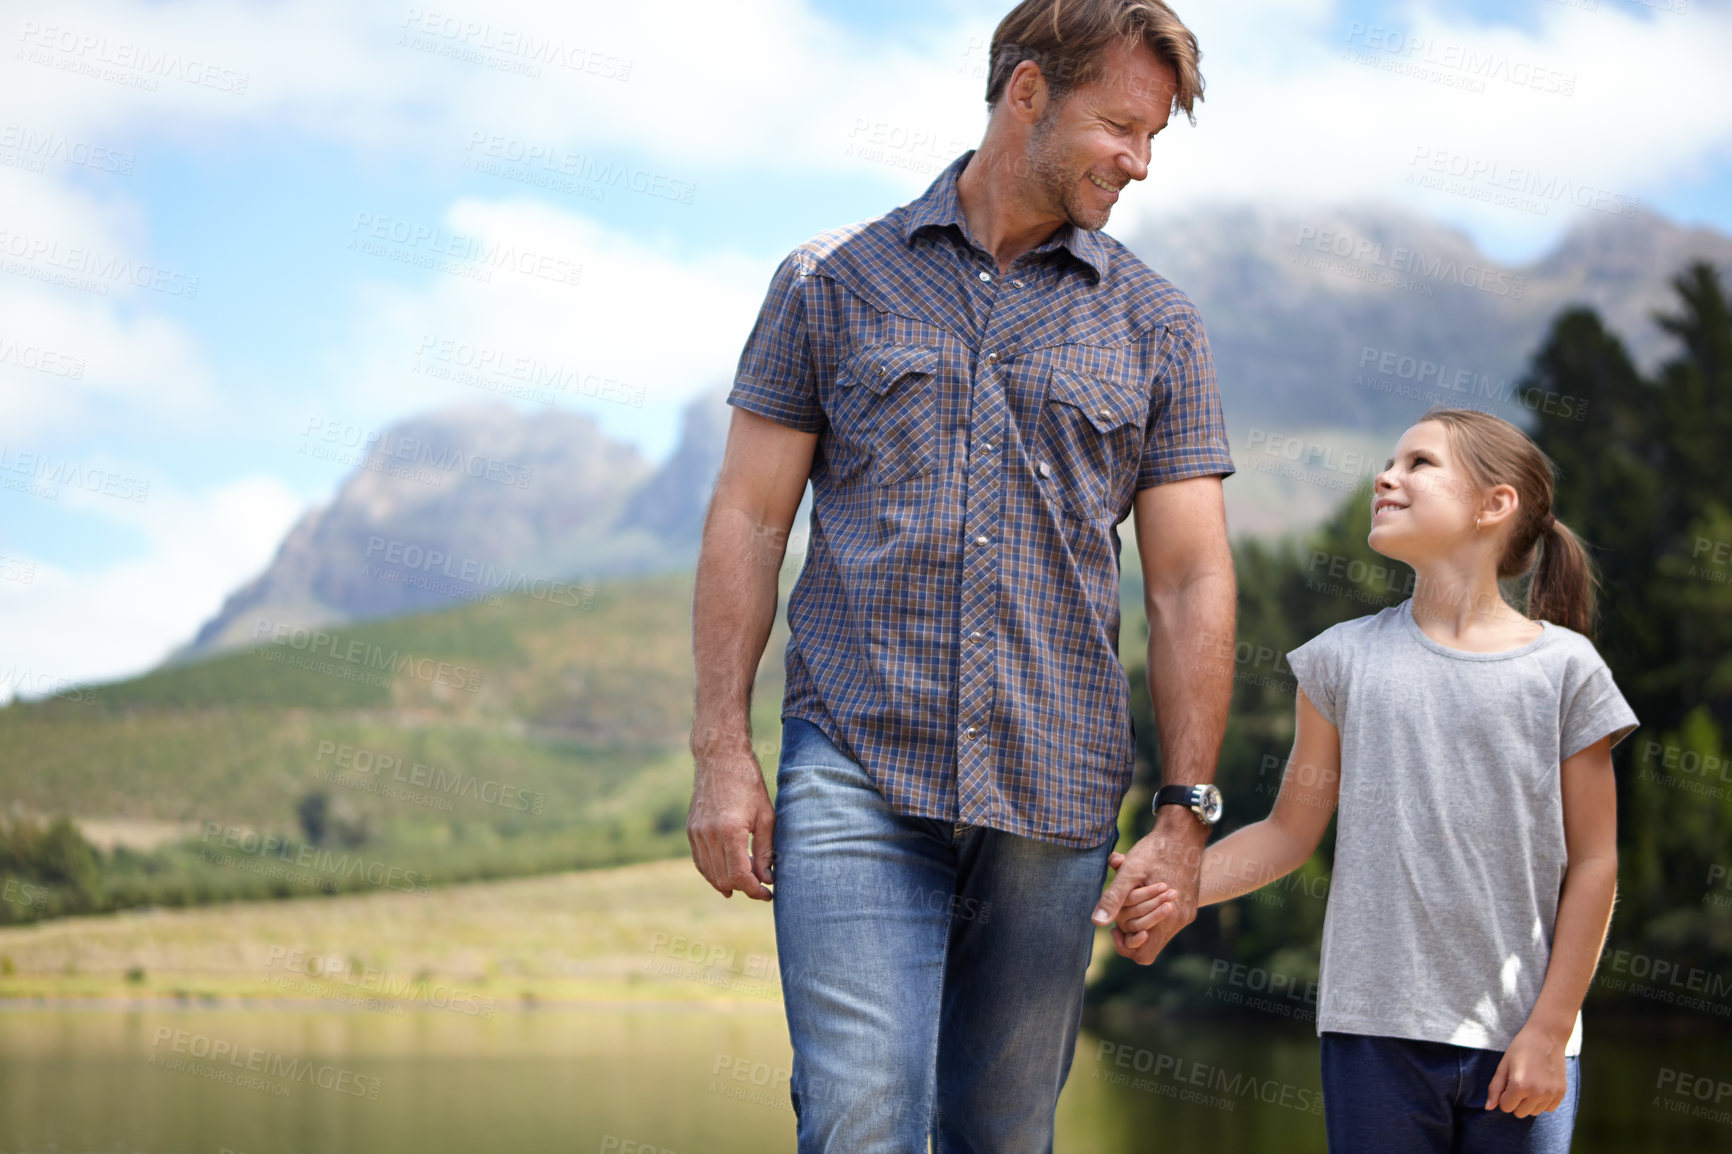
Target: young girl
{"type": "Point", "coordinates": [1469, 749]}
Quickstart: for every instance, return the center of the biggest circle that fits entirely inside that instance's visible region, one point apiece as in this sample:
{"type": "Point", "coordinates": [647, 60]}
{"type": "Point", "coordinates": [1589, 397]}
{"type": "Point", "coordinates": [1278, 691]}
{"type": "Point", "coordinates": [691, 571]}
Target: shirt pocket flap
{"type": "Point", "coordinates": [1106, 404]}
{"type": "Point", "coordinates": [881, 366]}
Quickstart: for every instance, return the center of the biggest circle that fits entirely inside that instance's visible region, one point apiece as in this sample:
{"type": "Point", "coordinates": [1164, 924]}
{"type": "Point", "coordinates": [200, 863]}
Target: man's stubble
{"type": "Point", "coordinates": [1053, 179]}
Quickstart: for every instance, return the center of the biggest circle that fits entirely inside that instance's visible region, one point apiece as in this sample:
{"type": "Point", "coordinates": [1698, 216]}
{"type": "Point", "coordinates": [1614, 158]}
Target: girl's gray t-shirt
{"type": "Point", "coordinates": [1449, 845]}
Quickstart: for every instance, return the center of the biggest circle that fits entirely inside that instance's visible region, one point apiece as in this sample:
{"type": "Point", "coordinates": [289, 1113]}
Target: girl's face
{"type": "Point", "coordinates": [1422, 503]}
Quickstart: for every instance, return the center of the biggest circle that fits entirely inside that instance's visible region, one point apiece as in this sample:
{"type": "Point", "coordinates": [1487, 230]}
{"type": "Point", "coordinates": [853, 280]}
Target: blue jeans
{"type": "Point", "coordinates": [1394, 1094]}
{"type": "Point", "coordinates": [932, 973]}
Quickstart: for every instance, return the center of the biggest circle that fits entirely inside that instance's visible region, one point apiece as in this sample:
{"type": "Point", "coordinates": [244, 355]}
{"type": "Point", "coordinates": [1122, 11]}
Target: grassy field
{"type": "Point", "coordinates": [549, 698]}
{"type": "Point", "coordinates": [653, 932]}
{"type": "Point", "coordinates": [627, 933]}
{"type": "Point", "coordinates": [476, 743]}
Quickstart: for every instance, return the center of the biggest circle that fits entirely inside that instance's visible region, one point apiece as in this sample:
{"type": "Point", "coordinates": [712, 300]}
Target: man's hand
{"type": "Point", "coordinates": [732, 825]}
{"type": "Point", "coordinates": [1531, 1078]}
{"type": "Point", "coordinates": [1170, 854]}
{"type": "Point", "coordinates": [1144, 909]}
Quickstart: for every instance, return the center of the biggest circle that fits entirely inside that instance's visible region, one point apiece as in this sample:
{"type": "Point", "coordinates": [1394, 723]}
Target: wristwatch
{"type": "Point", "coordinates": [1202, 800]}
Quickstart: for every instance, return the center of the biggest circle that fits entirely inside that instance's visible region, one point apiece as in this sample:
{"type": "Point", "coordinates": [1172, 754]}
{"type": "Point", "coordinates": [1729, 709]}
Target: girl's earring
{"type": "Point", "coordinates": [1476, 522]}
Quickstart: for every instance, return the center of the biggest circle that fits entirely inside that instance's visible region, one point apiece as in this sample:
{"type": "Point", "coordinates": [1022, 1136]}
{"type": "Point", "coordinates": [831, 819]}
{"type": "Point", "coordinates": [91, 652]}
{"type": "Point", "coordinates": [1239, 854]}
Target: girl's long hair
{"type": "Point", "coordinates": [1494, 452]}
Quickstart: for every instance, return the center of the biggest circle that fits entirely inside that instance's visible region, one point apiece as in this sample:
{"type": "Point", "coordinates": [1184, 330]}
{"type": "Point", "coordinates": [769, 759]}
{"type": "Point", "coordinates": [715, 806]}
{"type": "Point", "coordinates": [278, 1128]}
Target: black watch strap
{"type": "Point", "coordinates": [1174, 795]}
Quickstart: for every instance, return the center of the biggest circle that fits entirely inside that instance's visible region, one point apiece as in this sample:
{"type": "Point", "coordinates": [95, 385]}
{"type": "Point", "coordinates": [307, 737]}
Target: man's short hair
{"type": "Point", "coordinates": [1068, 38]}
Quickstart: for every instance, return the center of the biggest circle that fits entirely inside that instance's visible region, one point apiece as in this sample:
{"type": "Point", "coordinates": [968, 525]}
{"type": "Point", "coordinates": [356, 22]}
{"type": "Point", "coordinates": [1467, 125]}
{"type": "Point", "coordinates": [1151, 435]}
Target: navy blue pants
{"type": "Point", "coordinates": [1383, 1095]}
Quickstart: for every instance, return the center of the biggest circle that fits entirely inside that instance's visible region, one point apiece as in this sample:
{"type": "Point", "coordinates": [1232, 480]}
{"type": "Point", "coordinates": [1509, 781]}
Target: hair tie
{"type": "Point", "coordinates": [1548, 522]}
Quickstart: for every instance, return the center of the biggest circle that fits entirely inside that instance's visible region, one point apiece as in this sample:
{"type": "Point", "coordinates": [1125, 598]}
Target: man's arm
{"type": "Point", "coordinates": [1190, 597]}
{"type": "Point", "coordinates": [731, 824]}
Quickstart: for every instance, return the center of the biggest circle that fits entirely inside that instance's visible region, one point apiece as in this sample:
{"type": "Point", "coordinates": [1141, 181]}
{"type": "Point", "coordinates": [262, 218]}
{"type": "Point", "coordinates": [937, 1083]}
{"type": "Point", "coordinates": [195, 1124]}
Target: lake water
{"type": "Point", "coordinates": [686, 1081]}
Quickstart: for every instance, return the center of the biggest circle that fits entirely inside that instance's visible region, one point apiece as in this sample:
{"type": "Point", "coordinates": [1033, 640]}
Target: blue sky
{"type": "Point", "coordinates": [758, 108]}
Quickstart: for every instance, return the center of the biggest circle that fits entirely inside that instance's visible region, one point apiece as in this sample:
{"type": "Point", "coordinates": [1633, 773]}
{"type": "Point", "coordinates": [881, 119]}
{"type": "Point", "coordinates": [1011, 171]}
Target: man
{"type": "Point", "coordinates": [979, 386]}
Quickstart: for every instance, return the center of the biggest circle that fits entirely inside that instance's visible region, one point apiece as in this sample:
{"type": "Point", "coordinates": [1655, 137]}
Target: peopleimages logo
{"type": "Point", "coordinates": [361, 766]}
{"type": "Point", "coordinates": [430, 245]}
{"type": "Point", "coordinates": [500, 151]}
{"type": "Point", "coordinates": [473, 572]}
{"type": "Point", "coordinates": [92, 269]}
{"type": "Point", "coordinates": [310, 857]}
{"type": "Point", "coordinates": [1406, 262]}
{"type": "Point", "coordinates": [48, 145]}
{"type": "Point", "coordinates": [389, 987]}
{"type": "Point", "coordinates": [1382, 369]}
{"type": "Point", "coordinates": [482, 42]}
{"type": "Point", "coordinates": [242, 1061]}
{"type": "Point", "coordinates": [89, 54]}
{"type": "Point", "coordinates": [1666, 980]}
{"type": "Point", "coordinates": [423, 459]}
{"type": "Point", "coordinates": [47, 474]}
{"type": "Point", "coordinates": [366, 654]}
{"type": "Point", "coordinates": [39, 359]}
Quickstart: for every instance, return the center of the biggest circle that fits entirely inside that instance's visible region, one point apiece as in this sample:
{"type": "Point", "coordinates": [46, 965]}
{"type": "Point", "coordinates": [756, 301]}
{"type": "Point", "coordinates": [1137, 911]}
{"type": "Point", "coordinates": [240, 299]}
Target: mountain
{"type": "Point", "coordinates": [1300, 309]}
{"type": "Point", "coordinates": [1332, 330]}
{"type": "Point", "coordinates": [456, 506]}
{"type": "Point", "coordinates": [671, 504]}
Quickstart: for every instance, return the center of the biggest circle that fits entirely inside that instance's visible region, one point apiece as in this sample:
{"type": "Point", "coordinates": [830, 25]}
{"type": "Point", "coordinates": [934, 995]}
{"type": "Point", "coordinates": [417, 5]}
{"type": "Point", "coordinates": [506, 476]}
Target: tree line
{"type": "Point", "coordinates": [1645, 478]}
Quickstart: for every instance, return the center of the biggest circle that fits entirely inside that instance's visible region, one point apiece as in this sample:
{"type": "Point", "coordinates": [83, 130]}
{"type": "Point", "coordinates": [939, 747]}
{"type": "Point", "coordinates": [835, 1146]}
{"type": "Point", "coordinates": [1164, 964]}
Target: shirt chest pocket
{"type": "Point", "coordinates": [1091, 433]}
{"type": "Point", "coordinates": [886, 411]}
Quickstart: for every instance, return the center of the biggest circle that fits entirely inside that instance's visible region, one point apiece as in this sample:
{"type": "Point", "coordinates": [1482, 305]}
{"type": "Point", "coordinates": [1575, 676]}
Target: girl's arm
{"type": "Point", "coordinates": [1257, 854]}
{"type": "Point", "coordinates": [1530, 1079]}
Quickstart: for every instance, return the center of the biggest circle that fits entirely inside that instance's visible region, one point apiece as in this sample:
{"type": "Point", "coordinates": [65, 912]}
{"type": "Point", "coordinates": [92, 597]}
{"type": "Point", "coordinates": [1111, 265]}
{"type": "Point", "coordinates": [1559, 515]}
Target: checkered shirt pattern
{"type": "Point", "coordinates": [980, 437]}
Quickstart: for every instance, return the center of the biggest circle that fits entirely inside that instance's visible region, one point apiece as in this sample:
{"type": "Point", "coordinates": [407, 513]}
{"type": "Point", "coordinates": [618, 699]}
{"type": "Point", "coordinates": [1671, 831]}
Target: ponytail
{"type": "Point", "coordinates": [1562, 588]}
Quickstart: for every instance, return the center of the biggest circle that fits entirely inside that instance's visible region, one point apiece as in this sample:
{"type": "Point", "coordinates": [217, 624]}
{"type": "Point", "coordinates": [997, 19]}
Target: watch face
{"type": "Point", "coordinates": [1208, 805]}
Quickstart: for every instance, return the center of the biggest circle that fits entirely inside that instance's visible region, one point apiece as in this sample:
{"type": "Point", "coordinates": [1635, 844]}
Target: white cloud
{"type": "Point", "coordinates": [63, 627]}
{"type": "Point", "coordinates": [1312, 126]}
{"type": "Point", "coordinates": [77, 331]}
{"type": "Point", "coordinates": [637, 334]}
{"type": "Point", "coordinates": [769, 87]}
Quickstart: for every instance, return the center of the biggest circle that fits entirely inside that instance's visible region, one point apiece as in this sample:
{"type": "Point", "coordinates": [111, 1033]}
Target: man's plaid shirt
{"type": "Point", "coordinates": [955, 628]}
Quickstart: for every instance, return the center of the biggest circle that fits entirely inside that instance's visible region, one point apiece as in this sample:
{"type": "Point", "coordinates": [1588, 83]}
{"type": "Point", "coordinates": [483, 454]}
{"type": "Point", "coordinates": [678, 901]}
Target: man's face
{"type": "Point", "coordinates": [1086, 147]}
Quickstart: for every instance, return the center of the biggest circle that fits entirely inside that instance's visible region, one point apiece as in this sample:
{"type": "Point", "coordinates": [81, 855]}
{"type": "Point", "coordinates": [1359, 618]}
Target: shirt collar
{"type": "Point", "coordinates": [939, 206]}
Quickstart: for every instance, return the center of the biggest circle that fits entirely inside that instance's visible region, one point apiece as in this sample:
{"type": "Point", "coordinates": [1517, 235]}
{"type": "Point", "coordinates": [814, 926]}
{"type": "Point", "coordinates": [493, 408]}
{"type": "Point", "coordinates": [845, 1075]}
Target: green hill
{"type": "Point", "coordinates": [484, 741]}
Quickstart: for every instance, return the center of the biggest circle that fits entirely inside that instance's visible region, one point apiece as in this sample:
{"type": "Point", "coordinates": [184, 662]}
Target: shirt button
{"type": "Point", "coordinates": [1017, 283]}
{"type": "Point", "coordinates": [987, 277]}
{"type": "Point", "coordinates": [1106, 414]}
{"type": "Point", "coordinates": [1045, 469]}
{"type": "Point", "coordinates": [992, 358]}
{"type": "Point", "coordinates": [981, 540]}
{"type": "Point", "coordinates": [975, 636]}
{"type": "Point", "coordinates": [970, 732]}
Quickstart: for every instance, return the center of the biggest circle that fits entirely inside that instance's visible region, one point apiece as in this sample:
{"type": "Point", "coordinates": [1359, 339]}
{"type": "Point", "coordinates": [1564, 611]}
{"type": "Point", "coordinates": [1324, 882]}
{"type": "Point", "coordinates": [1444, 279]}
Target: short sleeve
{"type": "Point", "coordinates": [1189, 436]}
{"type": "Point", "coordinates": [1596, 709]}
{"type": "Point", "coordinates": [1316, 666]}
{"type": "Point", "coordinates": [775, 378]}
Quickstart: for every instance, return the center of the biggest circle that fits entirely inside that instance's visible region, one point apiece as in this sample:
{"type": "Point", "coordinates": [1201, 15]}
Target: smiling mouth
{"type": "Point", "coordinates": [1384, 507]}
{"type": "Point", "coordinates": [1099, 183]}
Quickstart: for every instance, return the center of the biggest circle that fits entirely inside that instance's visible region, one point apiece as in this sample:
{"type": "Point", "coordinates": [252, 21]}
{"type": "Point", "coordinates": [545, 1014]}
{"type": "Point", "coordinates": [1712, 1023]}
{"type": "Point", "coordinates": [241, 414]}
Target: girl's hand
{"type": "Point", "coordinates": [1530, 1079]}
{"type": "Point", "coordinates": [1145, 907]}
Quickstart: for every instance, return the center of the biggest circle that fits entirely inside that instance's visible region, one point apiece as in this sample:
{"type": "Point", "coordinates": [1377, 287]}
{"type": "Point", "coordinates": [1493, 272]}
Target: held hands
{"type": "Point", "coordinates": [1154, 895]}
{"type": "Point", "coordinates": [1145, 909]}
{"type": "Point", "coordinates": [1530, 1079]}
{"type": "Point", "coordinates": [732, 825]}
